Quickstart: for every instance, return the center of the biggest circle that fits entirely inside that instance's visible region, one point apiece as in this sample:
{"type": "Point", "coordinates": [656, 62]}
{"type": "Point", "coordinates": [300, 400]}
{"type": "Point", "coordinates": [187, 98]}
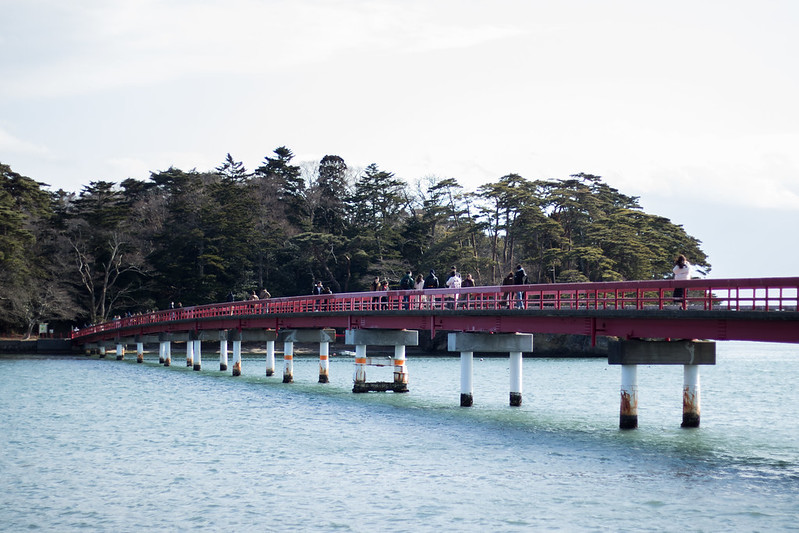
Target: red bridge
{"type": "Point", "coordinates": [653, 327]}
{"type": "Point", "coordinates": [761, 309]}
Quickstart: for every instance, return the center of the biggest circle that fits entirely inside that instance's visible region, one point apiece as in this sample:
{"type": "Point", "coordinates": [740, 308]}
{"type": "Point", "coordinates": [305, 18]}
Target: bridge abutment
{"type": "Point", "coordinates": [513, 343]}
{"type": "Point", "coordinates": [399, 339]}
{"type": "Point", "coordinates": [630, 353]}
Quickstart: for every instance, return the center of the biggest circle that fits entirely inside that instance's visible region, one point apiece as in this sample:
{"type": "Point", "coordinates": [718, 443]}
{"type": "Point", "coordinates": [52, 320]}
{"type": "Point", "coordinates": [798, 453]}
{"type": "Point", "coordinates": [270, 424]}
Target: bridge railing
{"type": "Point", "coordinates": [761, 294]}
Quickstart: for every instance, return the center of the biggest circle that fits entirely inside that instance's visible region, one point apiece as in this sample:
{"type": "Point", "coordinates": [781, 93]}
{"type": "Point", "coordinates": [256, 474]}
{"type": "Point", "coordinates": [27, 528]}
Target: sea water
{"type": "Point", "coordinates": [104, 445]}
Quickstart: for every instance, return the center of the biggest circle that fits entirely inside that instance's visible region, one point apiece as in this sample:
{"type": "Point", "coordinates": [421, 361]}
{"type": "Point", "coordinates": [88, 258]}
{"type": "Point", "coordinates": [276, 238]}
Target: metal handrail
{"type": "Point", "coordinates": [761, 294]}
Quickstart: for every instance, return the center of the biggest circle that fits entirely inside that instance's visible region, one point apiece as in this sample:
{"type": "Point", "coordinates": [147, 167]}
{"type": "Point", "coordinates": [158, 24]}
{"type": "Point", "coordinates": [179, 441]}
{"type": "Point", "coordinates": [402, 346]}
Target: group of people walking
{"type": "Point", "coordinates": [682, 271]}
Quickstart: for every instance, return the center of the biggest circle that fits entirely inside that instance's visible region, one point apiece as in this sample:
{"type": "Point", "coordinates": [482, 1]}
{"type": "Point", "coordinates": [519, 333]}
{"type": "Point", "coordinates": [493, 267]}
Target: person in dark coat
{"type": "Point", "coordinates": [519, 278]}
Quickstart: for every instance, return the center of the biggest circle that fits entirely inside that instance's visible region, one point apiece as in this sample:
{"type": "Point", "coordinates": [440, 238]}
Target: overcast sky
{"type": "Point", "coordinates": [690, 105]}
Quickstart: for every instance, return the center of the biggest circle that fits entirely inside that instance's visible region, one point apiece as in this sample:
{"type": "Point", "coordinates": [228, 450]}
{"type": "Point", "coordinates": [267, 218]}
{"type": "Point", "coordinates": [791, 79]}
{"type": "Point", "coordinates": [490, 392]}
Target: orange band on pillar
{"type": "Point", "coordinates": [399, 362]}
{"type": "Point", "coordinates": [323, 357]}
{"type": "Point", "coordinates": [360, 360]}
{"type": "Point", "coordinates": [288, 357]}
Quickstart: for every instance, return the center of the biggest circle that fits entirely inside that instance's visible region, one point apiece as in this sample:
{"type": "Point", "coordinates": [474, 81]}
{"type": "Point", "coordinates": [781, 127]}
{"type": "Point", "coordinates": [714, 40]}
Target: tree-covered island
{"type": "Point", "coordinates": [196, 237]}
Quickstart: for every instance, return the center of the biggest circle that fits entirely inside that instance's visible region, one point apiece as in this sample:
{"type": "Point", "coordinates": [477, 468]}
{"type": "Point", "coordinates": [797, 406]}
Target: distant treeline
{"type": "Point", "coordinates": [194, 237]}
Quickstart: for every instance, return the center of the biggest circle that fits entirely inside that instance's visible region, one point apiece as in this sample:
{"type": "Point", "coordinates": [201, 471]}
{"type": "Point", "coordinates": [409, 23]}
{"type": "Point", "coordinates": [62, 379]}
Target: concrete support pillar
{"type": "Point", "coordinates": [400, 368]}
{"type": "Point", "coordinates": [512, 343]}
{"type": "Point", "coordinates": [360, 363]}
{"type": "Point", "coordinates": [198, 358]}
{"type": "Point", "coordinates": [223, 355]}
{"type": "Point", "coordinates": [690, 396]}
{"type": "Point", "coordinates": [270, 358]}
{"type": "Point", "coordinates": [101, 349]}
{"type": "Point", "coordinates": [120, 351]}
{"type": "Point", "coordinates": [139, 352]}
{"type": "Point", "coordinates": [628, 411]}
{"type": "Point", "coordinates": [189, 353]}
{"type": "Point", "coordinates": [167, 353]}
{"type": "Point", "coordinates": [236, 357]}
{"type": "Point", "coordinates": [632, 352]}
{"type": "Point", "coordinates": [288, 362]}
{"type": "Point", "coordinates": [467, 381]}
{"type": "Point", "coordinates": [161, 352]}
{"type": "Point", "coordinates": [515, 379]}
{"type": "Point", "coordinates": [399, 339]}
{"type": "Point", "coordinates": [324, 362]}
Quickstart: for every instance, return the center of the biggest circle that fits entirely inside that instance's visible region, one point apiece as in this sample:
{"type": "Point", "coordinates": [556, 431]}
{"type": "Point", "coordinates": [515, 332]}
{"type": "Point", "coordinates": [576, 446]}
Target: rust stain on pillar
{"type": "Point", "coordinates": [237, 368]}
{"type": "Point", "coordinates": [690, 409]}
{"type": "Point", "coordinates": [628, 417]}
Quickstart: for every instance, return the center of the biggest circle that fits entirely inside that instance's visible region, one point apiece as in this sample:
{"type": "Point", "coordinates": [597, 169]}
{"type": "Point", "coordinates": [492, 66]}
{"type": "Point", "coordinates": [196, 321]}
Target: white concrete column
{"type": "Point", "coordinates": [101, 349]}
{"type": "Point", "coordinates": [467, 379]}
{"type": "Point", "coordinates": [360, 363]}
{"type": "Point", "coordinates": [236, 357]}
{"type": "Point", "coordinates": [198, 358]}
{"type": "Point", "coordinates": [324, 362]}
{"type": "Point", "coordinates": [690, 396]}
{"type": "Point", "coordinates": [167, 353]}
{"type": "Point", "coordinates": [223, 355]}
{"type": "Point", "coordinates": [139, 352]}
{"type": "Point", "coordinates": [515, 379]}
{"type": "Point", "coordinates": [120, 352]}
{"type": "Point", "coordinates": [189, 353]}
{"type": "Point", "coordinates": [270, 358]}
{"type": "Point", "coordinates": [628, 412]}
{"type": "Point", "coordinates": [400, 365]}
{"type": "Point", "coordinates": [288, 362]}
{"type": "Point", "coordinates": [161, 351]}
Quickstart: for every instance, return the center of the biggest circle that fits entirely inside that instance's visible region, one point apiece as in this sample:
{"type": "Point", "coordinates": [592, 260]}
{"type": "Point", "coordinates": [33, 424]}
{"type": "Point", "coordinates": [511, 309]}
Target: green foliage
{"type": "Point", "coordinates": [193, 237]}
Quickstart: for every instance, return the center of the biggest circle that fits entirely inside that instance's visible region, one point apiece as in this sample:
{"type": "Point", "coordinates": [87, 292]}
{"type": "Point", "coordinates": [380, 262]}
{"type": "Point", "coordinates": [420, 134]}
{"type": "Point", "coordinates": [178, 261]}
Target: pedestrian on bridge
{"type": "Point", "coordinates": [682, 271]}
{"type": "Point", "coordinates": [508, 281]}
{"type": "Point", "coordinates": [406, 284]}
{"type": "Point", "coordinates": [520, 278]}
{"type": "Point", "coordinates": [430, 282]}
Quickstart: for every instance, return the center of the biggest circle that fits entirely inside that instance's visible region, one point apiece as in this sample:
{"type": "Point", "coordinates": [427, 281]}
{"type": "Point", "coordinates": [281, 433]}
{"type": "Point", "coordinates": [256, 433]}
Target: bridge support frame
{"type": "Point", "coordinates": [399, 339]}
{"type": "Point", "coordinates": [189, 353]}
{"type": "Point", "coordinates": [165, 348]}
{"type": "Point", "coordinates": [235, 336]}
{"type": "Point", "coordinates": [120, 351]}
{"type": "Point", "coordinates": [195, 339]}
{"type": "Point", "coordinates": [288, 362]}
{"type": "Point", "coordinates": [689, 353]}
{"type": "Point", "coordinates": [513, 343]}
{"type": "Point", "coordinates": [289, 336]}
{"type": "Point", "coordinates": [223, 354]}
{"type": "Point", "coordinates": [270, 358]}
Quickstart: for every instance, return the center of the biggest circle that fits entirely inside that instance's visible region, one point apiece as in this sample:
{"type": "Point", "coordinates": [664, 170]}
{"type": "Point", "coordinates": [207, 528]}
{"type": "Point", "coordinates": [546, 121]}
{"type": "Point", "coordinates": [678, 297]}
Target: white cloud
{"type": "Point", "coordinates": [106, 45]}
{"type": "Point", "coordinates": [9, 144]}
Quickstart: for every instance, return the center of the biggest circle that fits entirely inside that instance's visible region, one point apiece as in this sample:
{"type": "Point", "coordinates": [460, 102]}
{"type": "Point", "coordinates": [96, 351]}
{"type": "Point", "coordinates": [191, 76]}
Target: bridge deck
{"type": "Point", "coordinates": [735, 309]}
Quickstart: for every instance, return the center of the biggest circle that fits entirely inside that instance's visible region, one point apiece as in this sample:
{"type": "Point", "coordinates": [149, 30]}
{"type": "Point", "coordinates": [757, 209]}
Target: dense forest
{"type": "Point", "coordinates": [194, 237]}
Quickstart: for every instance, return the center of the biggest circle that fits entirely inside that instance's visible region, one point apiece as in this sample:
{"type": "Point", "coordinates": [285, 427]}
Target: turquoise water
{"type": "Point", "coordinates": [106, 445]}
